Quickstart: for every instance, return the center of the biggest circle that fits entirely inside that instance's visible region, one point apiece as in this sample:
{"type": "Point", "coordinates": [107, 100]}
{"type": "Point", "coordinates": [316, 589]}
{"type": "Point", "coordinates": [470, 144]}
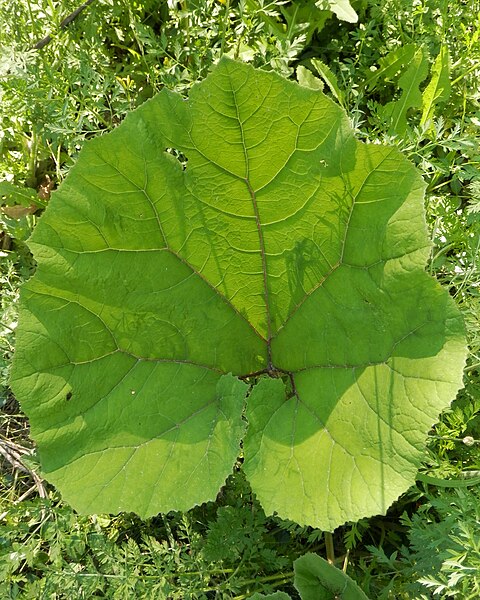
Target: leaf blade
{"type": "Point", "coordinates": [282, 250]}
{"type": "Point", "coordinates": [316, 578]}
{"type": "Point", "coordinates": [439, 88]}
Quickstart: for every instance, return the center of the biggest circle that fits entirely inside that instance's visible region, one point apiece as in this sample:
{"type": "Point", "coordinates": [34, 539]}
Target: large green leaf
{"type": "Point", "coordinates": [284, 253]}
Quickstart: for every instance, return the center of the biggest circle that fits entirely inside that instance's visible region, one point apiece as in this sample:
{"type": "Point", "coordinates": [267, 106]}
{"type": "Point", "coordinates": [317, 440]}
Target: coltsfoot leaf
{"type": "Point", "coordinates": [284, 254]}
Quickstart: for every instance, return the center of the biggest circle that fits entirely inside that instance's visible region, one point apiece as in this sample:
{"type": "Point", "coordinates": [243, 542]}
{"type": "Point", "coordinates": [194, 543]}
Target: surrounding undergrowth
{"type": "Point", "coordinates": [407, 74]}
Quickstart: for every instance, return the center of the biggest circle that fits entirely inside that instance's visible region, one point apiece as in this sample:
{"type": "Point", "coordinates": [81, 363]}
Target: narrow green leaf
{"type": "Point", "coordinates": [448, 483]}
{"type": "Point", "coordinates": [302, 17]}
{"type": "Point", "coordinates": [438, 90]}
{"type": "Point", "coordinates": [395, 113]}
{"type": "Point", "coordinates": [316, 579]}
{"type": "Point", "coordinates": [391, 65]}
{"type": "Point", "coordinates": [330, 79]}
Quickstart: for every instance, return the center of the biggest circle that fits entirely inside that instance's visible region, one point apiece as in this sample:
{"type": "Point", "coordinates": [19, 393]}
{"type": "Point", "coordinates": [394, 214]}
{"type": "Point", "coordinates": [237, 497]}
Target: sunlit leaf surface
{"type": "Point", "coordinates": [267, 277]}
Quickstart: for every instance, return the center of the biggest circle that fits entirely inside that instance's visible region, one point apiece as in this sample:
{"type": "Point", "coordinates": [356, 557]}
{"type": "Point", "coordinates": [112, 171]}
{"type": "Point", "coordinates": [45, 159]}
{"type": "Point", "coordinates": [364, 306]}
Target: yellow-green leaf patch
{"type": "Point", "coordinates": [264, 297]}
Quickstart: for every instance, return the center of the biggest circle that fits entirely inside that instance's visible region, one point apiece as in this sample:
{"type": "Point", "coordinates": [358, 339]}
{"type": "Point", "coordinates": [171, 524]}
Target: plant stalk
{"type": "Point", "coordinates": [329, 547]}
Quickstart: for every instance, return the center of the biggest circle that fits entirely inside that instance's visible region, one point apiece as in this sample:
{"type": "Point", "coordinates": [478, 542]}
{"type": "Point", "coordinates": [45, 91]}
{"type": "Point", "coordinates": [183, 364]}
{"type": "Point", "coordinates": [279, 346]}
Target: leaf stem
{"type": "Point", "coordinates": [224, 28]}
{"type": "Point", "coordinates": [65, 22]}
{"type": "Point", "coordinates": [281, 577]}
{"type": "Point", "coordinates": [451, 439]}
{"type": "Point", "coordinates": [329, 547]}
{"type": "Point", "coordinates": [254, 374]}
{"type": "Point", "coordinates": [448, 483]}
{"type": "Point", "coordinates": [465, 73]}
{"type": "Point", "coordinates": [294, 387]}
{"type": "Point", "coordinates": [2, 324]}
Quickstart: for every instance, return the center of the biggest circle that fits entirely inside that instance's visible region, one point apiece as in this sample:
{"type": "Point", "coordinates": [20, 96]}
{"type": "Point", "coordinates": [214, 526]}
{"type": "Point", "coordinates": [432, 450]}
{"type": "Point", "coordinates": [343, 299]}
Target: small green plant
{"type": "Point", "coordinates": [444, 556]}
{"type": "Point", "coordinates": [45, 548]}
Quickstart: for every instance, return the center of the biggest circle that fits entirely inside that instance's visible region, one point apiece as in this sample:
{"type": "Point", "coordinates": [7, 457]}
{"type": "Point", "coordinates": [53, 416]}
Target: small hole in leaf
{"type": "Point", "coordinates": [69, 395]}
{"type": "Point", "coordinates": [182, 159]}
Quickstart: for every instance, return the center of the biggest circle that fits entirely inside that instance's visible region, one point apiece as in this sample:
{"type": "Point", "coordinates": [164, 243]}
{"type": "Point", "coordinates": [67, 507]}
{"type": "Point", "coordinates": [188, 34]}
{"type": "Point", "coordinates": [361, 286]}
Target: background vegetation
{"type": "Point", "coordinates": [407, 74]}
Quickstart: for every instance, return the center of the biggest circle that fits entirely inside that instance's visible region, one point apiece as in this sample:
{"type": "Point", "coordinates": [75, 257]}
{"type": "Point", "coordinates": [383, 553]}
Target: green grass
{"type": "Point", "coordinates": [82, 83]}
